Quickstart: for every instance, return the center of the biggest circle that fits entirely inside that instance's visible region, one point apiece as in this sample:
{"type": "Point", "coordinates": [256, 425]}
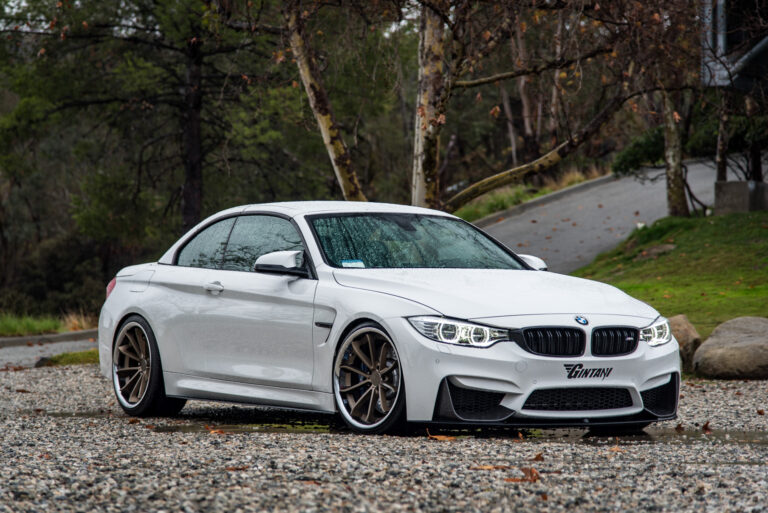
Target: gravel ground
{"type": "Point", "coordinates": [67, 446]}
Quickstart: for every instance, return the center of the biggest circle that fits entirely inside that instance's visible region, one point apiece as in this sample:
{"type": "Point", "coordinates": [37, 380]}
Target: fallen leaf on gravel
{"type": "Point", "coordinates": [679, 428]}
{"type": "Point", "coordinates": [706, 428]}
{"type": "Point", "coordinates": [490, 467]}
{"type": "Point", "coordinates": [150, 426]}
{"type": "Point", "coordinates": [30, 344]}
{"type": "Point", "coordinates": [218, 432]}
{"type": "Point", "coordinates": [39, 410]}
{"type": "Point", "coordinates": [534, 221]}
{"type": "Point", "coordinates": [739, 393]}
{"type": "Point", "coordinates": [761, 412]}
{"type": "Point", "coordinates": [616, 448]}
{"type": "Point", "coordinates": [133, 421]}
{"type": "Point", "coordinates": [23, 391]}
{"type": "Point", "coordinates": [310, 482]}
{"type": "Point", "coordinates": [530, 473]}
{"type": "Point", "coordinates": [543, 496]}
{"type": "Point", "coordinates": [234, 469]}
{"type": "Point", "coordinates": [45, 456]}
{"type": "Point", "coordinates": [442, 438]}
{"type": "Point", "coordinates": [538, 457]}
{"type": "Point", "coordinates": [599, 205]}
{"type": "Point", "coordinates": [12, 368]}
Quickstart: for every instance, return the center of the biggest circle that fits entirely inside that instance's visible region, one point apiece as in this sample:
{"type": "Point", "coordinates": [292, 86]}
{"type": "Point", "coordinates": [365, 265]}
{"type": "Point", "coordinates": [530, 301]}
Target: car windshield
{"type": "Point", "coordinates": [407, 241]}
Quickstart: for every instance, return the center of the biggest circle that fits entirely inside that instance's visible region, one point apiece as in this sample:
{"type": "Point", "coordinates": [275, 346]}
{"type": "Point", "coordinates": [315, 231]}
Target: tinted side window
{"type": "Point", "coordinates": [258, 235]}
{"type": "Point", "coordinates": [207, 247]}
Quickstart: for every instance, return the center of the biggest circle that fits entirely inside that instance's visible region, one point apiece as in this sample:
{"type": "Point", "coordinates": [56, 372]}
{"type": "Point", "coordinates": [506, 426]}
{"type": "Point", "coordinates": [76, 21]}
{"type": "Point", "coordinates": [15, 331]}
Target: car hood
{"type": "Point", "coordinates": [482, 293]}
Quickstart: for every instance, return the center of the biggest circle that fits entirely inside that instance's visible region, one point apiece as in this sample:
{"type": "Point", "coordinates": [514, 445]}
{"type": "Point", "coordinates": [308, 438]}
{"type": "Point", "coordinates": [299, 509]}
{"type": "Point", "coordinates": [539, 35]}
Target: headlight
{"type": "Point", "coordinates": [461, 333]}
{"type": "Point", "coordinates": [657, 333]}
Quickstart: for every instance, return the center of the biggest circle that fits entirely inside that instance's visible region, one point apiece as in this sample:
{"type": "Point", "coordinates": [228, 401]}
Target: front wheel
{"type": "Point", "coordinates": [137, 375]}
{"type": "Point", "coordinates": [368, 381]}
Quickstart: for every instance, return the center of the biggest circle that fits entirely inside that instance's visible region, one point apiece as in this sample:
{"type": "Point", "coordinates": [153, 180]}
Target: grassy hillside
{"type": "Point", "coordinates": [711, 269]}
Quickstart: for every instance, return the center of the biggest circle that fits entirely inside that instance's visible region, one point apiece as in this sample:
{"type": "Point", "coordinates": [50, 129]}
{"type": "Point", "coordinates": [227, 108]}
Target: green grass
{"type": "Point", "coordinates": [497, 201]}
{"type": "Point", "coordinates": [78, 358]}
{"type": "Point", "coordinates": [11, 325]}
{"type": "Point", "coordinates": [718, 269]}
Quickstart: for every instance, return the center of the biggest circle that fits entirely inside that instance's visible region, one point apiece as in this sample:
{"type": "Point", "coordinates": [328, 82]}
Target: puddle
{"type": "Point", "coordinates": [243, 428]}
{"type": "Point", "coordinates": [238, 420]}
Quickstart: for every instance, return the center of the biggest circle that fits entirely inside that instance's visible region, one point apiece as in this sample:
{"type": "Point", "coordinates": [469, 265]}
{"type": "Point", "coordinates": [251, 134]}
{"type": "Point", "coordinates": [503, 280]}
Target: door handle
{"type": "Point", "coordinates": [215, 287]}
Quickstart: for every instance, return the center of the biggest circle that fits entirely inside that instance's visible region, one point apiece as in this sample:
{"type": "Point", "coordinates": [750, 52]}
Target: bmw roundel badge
{"type": "Point", "coordinates": [581, 320]}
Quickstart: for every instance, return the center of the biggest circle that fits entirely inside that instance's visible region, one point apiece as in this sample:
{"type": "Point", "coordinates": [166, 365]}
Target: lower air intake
{"type": "Point", "coordinates": [578, 399]}
{"type": "Point", "coordinates": [662, 400]}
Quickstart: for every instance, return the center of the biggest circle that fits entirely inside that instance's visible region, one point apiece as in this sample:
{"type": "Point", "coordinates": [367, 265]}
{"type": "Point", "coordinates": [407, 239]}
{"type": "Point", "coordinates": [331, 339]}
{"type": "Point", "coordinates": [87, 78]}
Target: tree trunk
{"type": "Point", "coordinates": [428, 118]}
{"type": "Point", "coordinates": [542, 163]}
{"type": "Point", "coordinates": [554, 100]}
{"type": "Point", "coordinates": [321, 106]}
{"type": "Point", "coordinates": [192, 190]}
{"type": "Point", "coordinates": [755, 162]}
{"type": "Point", "coordinates": [677, 203]}
{"type": "Point", "coordinates": [530, 144]}
{"type": "Point", "coordinates": [721, 158]}
{"type": "Point", "coordinates": [510, 124]}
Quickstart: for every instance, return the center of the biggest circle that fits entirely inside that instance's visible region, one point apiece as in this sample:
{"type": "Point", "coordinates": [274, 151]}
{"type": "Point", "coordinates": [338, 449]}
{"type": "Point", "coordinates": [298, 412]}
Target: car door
{"type": "Point", "coordinates": [255, 327]}
{"type": "Point", "coordinates": [180, 299]}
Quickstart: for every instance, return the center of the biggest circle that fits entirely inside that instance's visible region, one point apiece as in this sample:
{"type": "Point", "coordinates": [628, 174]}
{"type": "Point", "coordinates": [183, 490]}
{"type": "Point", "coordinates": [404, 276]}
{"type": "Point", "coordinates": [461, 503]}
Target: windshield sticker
{"type": "Point", "coordinates": [352, 263]}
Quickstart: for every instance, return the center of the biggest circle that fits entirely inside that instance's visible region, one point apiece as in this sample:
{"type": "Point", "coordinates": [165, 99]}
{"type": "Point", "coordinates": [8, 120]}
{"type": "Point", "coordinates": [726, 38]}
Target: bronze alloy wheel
{"type": "Point", "coordinates": [368, 380]}
{"type": "Point", "coordinates": [131, 364]}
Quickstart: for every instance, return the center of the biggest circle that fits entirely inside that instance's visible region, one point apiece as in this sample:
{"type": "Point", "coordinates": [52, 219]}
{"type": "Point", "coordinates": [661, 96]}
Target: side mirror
{"type": "Point", "coordinates": [535, 262]}
{"type": "Point", "coordinates": [282, 262]}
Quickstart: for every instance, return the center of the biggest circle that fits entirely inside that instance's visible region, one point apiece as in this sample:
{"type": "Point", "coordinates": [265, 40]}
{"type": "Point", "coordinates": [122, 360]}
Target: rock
{"type": "Point", "coordinates": [737, 349]}
{"type": "Point", "coordinates": [43, 361]}
{"type": "Point", "coordinates": [688, 339]}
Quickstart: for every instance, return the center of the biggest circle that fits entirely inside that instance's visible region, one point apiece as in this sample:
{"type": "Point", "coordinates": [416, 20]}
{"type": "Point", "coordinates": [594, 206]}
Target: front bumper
{"type": "Point", "coordinates": [455, 384]}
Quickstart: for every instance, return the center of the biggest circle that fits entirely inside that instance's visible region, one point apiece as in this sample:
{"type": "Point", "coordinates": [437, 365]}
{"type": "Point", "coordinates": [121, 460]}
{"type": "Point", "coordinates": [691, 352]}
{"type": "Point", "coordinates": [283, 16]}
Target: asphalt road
{"type": "Point", "coordinates": [570, 232]}
{"type": "Point", "coordinates": [27, 356]}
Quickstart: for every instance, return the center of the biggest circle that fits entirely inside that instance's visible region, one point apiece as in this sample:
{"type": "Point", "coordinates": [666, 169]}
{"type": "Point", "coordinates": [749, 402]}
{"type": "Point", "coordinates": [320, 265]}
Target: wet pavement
{"type": "Point", "coordinates": [570, 232]}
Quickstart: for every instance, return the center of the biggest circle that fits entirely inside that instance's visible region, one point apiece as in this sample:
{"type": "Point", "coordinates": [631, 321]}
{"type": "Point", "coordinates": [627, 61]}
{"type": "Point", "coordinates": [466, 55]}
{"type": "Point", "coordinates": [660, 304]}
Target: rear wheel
{"type": "Point", "coordinates": [368, 381]}
{"type": "Point", "coordinates": [137, 375]}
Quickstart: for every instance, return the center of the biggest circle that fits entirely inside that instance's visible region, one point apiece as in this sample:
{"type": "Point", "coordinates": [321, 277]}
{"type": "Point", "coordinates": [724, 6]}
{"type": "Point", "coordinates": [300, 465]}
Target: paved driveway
{"type": "Point", "coordinates": [571, 231]}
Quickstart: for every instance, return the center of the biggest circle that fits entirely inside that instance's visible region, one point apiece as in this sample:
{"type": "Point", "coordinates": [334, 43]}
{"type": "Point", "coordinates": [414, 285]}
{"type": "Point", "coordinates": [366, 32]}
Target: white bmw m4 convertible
{"type": "Point", "coordinates": [384, 314]}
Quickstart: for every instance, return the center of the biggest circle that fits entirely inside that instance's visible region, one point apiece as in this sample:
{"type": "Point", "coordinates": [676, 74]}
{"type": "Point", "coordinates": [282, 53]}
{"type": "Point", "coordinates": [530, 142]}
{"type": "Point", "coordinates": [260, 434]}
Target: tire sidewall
{"type": "Point", "coordinates": [155, 392]}
{"type": "Point", "coordinates": [396, 415]}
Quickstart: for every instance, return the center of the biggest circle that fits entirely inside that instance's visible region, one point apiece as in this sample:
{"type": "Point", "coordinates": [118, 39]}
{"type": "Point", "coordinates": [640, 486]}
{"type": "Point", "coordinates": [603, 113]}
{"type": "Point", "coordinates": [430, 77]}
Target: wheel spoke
{"type": "Point", "coordinates": [354, 387]}
{"type": "Point", "coordinates": [389, 369]}
{"type": "Point", "coordinates": [385, 406]}
{"type": "Point", "coordinates": [128, 369]}
{"type": "Point", "coordinates": [371, 353]}
{"type": "Point", "coordinates": [360, 401]}
{"type": "Point", "coordinates": [143, 344]}
{"type": "Point", "coordinates": [359, 352]}
{"type": "Point", "coordinates": [133, 397]}
{"type": "Point", "coordinates": [389, 387]}
{"type": "Point", "coordinates": [383, 356]}
{"type": "Point", "coordinates": [130, 381]}
{"type": "Point", "coordinates": [356, 371]}
{"type": "Point", "coordinates": [134, 344]}
{"type": "Point", "coordinates": [371, 402]}
{"type": "Point", "coordinates": [143, 383]}
{"type": "Point", "coordinates": [127, 352]}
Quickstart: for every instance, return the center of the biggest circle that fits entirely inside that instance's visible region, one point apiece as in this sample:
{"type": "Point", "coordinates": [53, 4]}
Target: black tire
{"type": "Point", "coordinates": [369, 398]}
{"type": "Point", "coordinates": [137, 372]}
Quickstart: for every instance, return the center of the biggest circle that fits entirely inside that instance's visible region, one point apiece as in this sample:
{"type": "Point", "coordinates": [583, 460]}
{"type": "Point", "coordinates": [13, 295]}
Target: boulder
{"type": "Point", "coordinates": [737, 349]}
{"type": "Point", "coordinates": [688, 338]}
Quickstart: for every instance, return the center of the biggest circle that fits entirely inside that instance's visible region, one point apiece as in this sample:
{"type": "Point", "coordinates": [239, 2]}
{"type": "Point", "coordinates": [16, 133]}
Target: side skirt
{"type": "Point", "coordinates": [193, 387]}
